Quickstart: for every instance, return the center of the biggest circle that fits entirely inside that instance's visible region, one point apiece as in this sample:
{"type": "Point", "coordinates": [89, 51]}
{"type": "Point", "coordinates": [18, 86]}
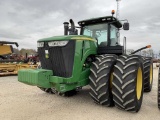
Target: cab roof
{"type": "Point", "coordinates": [105, 19]}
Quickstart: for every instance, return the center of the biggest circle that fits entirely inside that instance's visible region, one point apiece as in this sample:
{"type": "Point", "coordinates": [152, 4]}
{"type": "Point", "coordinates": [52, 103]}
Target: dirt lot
{"type": "Point", "coordinates": [22, 102]}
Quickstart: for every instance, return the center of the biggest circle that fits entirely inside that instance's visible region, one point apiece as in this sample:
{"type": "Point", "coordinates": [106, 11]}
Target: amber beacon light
{"type": "Point", "coordinates": [113, 12]}
{"type": "Point", "coordinates": [148, 46]}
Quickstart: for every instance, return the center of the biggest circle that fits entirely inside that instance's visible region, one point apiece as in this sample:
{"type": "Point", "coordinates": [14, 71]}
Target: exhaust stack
{"type": "Point", "coordinates": [66, 28]}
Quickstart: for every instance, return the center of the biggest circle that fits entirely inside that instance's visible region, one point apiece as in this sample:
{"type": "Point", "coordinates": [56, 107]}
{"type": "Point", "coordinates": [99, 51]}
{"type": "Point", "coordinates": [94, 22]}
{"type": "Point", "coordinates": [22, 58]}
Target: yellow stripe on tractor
{"type": "Point", "coordinates": [84, 38]}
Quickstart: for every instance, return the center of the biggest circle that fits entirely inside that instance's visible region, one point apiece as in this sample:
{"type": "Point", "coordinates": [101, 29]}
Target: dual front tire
{"type": "Point", "coordinates": [128, 81]}
{"type": "Point", "coordinates": [101, 78]}
{"type": "Point", "coordinates": [122, 83]}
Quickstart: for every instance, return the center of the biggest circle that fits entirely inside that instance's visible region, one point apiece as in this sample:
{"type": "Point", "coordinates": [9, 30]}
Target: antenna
{"type": "Point", "coordinates": [117, 13]}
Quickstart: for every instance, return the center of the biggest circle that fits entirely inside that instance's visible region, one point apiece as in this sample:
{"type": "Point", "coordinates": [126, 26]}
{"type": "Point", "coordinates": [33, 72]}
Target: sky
{"type": "Point", "coordinates": [26, 21]}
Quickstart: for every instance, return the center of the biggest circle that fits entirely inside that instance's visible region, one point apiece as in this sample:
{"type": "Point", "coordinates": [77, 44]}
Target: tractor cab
{"type": "Point", "coordinates": [103, 29]}
{"type": "Point", "coordinates": [106, 31]}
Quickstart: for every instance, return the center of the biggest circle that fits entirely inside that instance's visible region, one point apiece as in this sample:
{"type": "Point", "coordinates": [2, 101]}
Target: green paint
{"type": "Point", "coordinates": [39, 77]}
{"type": "Point", "coordinates": [46, 79]}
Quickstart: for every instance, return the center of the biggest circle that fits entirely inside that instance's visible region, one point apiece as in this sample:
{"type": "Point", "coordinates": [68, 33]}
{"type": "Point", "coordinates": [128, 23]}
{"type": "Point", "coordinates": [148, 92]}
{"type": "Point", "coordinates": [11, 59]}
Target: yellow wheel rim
{"type": "Point", "coordinates": [139, 83]}
{"type": "Point", "coordinates": [151, 74]}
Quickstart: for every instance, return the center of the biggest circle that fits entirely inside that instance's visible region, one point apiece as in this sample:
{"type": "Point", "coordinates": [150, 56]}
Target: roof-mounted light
{"type": "Point", "coordinates": [113, 12]}
{"type": "Point", "coordinates": [148, 46]}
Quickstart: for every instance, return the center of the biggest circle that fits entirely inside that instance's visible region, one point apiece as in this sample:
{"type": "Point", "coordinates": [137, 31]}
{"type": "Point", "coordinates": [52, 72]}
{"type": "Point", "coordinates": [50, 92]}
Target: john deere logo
{"type": "Point", "coordinates": [46, 54]}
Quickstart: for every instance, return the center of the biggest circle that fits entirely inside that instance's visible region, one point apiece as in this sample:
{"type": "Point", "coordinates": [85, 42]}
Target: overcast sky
{"type": "Point", "coordinates": [26, 21]}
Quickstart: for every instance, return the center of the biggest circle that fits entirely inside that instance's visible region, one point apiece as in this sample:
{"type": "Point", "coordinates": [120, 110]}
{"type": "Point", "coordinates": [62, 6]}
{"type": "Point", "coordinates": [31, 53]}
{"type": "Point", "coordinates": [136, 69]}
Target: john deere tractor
{"type": "Point", "coordinates": [94, 58]}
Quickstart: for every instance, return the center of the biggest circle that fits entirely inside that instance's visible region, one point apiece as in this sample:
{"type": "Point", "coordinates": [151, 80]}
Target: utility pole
{"type": "Point", "coordinates": [118, 5]}
{"type": "Point", "coordinates": [117, 16]}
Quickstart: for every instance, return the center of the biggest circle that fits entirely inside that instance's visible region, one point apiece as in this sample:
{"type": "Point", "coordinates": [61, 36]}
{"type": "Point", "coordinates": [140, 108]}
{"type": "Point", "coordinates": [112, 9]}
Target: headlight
{"type": "Point", "coordinates": [57, 43]}
{"type": "Point", "coordinates": [40, 44]}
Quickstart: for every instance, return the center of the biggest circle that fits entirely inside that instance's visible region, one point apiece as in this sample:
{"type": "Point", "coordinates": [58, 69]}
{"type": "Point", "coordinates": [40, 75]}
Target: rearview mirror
{"type": "Point", "coordinates": [126, 26]}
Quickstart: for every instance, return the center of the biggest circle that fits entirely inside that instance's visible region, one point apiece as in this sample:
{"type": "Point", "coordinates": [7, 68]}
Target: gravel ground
{"type": "Point", "coordinates": [22, 102]}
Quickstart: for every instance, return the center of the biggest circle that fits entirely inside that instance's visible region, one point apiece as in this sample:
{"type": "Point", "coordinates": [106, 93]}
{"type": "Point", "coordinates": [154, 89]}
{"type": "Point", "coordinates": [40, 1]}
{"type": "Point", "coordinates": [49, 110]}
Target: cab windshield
{"type": "Point", "coordinates": [100, 33]}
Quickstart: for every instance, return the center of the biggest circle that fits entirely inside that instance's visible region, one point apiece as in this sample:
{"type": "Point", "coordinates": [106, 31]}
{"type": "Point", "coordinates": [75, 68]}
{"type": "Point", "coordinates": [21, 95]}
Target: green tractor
{"type": "Point", "coordinates": [94, 58]}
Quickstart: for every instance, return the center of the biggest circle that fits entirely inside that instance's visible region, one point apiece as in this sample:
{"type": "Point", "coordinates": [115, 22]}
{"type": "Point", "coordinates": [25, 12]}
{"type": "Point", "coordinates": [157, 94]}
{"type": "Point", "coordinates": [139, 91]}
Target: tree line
{"type": "Point", "coordinates": [23, 51]}
{"type": "Point", "coordinates": [146, 53]}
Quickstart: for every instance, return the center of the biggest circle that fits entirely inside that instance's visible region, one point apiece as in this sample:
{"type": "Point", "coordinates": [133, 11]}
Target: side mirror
{"type": "Point", "coordinates": [126, 26]}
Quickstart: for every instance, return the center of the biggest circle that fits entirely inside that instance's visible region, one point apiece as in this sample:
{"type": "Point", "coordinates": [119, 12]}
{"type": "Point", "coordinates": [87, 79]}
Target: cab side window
{"type": "Point", "coordinates": [113, 35]}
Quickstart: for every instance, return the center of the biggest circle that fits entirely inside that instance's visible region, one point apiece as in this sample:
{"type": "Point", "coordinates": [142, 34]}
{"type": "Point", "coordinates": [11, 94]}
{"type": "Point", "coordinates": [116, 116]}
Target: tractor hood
{"type": "Point", "coordinates": [68, 37]}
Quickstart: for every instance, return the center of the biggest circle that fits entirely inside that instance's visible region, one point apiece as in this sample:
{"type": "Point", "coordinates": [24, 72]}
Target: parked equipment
{"type": "Point", "coordinates": [12, 68]}
{"type": "Point", "coordinates": [94, 57]}
{"type": "Point", "coordinates": [8, 65]}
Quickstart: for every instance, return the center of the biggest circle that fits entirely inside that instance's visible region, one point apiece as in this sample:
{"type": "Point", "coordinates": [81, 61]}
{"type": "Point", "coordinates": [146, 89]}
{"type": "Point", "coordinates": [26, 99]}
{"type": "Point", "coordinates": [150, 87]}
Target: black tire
{"type": "Point", "coordinates": [100, 84]}
{"type": "Point", "coordinates": [128, 83]}
{"type": "Point", "coordinates": [48, 90]}
{"type": "Point", "coordinates": [159, 88]}
{"type": "Point", "coordinates": [148, 74]}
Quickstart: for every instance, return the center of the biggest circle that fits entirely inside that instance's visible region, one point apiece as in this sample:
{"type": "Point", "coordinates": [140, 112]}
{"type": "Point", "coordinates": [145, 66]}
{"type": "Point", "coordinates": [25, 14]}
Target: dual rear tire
{"type": "Point", "coordinates": [148, 74]}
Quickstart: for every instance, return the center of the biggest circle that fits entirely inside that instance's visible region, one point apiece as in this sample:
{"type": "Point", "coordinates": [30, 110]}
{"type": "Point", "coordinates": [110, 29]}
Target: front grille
{"type": "Point", "coordinates": [60, 59]}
